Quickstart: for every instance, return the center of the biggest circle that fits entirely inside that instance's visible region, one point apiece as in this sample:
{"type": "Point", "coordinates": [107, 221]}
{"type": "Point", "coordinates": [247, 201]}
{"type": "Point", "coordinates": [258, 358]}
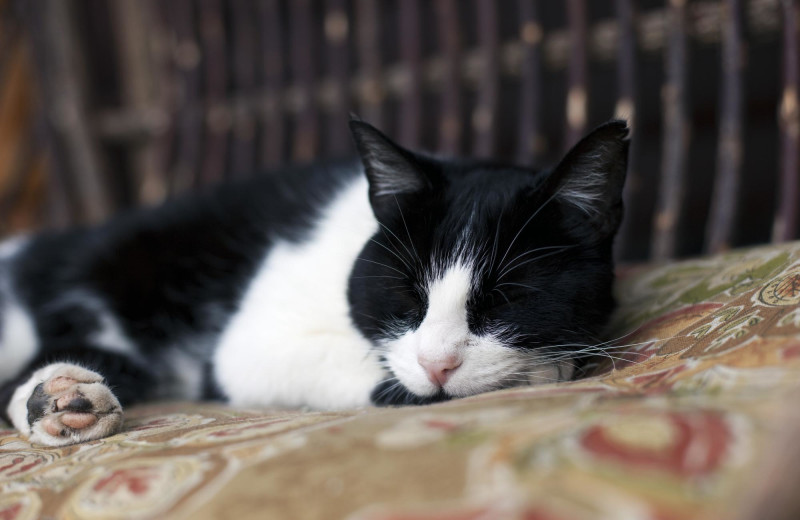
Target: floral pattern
{"type": "Point", "coordinates": [670, 426]}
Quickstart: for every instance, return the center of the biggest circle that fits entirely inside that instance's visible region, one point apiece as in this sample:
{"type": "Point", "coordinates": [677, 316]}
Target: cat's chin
{"type": "Point", "coordinates": [390, 392]}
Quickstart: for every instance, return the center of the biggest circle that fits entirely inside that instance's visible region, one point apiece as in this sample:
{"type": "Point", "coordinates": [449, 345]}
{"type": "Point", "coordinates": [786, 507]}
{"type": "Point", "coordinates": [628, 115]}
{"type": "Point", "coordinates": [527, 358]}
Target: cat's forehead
{"type": "Point", "coordinates": [475, 200]}
{"type": "Point", "coordinates": [490, 185]}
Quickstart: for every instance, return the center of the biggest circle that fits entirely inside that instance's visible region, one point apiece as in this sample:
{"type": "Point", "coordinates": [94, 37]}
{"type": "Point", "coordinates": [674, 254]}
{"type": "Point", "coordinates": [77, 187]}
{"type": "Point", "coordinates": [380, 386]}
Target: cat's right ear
{"type": "Point", "coordinates": [590, 178]}
{"type": "Point", "coordinates": [391, 170]}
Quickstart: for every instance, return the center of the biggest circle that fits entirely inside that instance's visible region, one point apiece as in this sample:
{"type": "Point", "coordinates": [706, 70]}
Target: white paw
{"type": "Point", "coordinates": [63, 404]}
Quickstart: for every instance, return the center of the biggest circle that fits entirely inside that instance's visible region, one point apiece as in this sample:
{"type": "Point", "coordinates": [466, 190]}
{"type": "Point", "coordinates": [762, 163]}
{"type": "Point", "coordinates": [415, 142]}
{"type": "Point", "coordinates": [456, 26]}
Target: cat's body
{"type": "Point", "coordinates": [324, 287]}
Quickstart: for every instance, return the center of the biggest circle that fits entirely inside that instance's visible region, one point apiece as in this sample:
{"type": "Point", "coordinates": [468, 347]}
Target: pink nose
{"type": "Point", "coordinates": [439, 371]}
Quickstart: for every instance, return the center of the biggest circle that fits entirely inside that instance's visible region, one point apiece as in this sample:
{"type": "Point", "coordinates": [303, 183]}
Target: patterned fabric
{"type": "Point", "coordinates": [674, 426]}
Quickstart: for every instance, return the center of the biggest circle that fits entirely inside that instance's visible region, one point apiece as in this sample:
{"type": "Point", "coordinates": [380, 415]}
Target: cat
{"type": "Point", "coordinates": [396, 278]}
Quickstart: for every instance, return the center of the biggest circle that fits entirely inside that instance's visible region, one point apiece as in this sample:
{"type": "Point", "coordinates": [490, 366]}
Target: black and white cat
{"type": "Point", "coordinates": [402, 279]}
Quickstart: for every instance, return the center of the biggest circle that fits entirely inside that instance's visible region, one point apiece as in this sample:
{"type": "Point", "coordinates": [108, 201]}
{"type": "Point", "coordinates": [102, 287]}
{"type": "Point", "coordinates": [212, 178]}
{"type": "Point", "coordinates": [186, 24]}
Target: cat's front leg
{"type": "Point", "coordinates": [64, 403]}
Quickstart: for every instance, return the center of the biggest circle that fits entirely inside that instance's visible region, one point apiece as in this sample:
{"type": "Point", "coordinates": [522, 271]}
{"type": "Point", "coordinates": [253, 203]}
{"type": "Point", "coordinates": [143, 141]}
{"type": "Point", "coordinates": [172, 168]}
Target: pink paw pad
{"type": "Point", "coordinates": [58, 384]}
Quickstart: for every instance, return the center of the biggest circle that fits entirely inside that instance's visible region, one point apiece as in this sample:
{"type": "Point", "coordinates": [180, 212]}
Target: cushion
{"type": "Point", "coordinates": [697, 395]}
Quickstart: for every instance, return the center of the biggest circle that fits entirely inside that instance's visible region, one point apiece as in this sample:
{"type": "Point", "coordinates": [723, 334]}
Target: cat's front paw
{"type": "Point", "coordinates": [66, 404]}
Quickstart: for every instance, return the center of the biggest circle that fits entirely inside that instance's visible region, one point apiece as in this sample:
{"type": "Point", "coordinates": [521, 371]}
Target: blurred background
{"type": "Point", "coordinates": [111, 104]}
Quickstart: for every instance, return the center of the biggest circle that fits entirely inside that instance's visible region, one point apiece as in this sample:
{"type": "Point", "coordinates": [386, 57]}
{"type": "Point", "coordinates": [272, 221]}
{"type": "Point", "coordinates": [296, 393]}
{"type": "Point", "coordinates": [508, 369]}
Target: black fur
{"type": "Point", "coordinates": [38, 404]}
{"type": "Point", "coordinates": [165, 274]}
{"type": "Point", "coordinates": [564, 297]}
{"type": "Point", "coordinates": [387, 393]}
{"type": "Point", "coordinates": [179, 271]}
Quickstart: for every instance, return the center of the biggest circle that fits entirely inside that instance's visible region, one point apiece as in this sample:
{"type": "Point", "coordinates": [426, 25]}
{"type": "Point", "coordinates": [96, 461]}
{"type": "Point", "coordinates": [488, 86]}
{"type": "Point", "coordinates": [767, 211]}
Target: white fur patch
{"type": "Point", "coordinates": [18, 340]}
{"type": "Point", "coordinates": [110, 336]}
{"type": "Point", "coordinates": [587, 191]}
{"type": "Point", "coordinates": [444, 333]}
{"type": "Point", "coordinates": [485, 362]}
{"type": "Point", "coordinates": [9, 248]}
{"type": "Point", "coordinates": [292, 342]}
{"type": "Point", "coordinates": [185, 380]}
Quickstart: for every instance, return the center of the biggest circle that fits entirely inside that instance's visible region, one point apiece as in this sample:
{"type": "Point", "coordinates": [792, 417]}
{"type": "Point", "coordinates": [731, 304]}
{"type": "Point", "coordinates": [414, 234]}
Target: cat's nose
{"type": "Point", "coordinates": [440, 370]}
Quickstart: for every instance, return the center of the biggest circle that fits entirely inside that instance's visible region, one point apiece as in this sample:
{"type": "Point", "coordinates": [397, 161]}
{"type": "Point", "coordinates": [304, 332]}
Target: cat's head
{"type": "Point", "coordinates": [485, 276]}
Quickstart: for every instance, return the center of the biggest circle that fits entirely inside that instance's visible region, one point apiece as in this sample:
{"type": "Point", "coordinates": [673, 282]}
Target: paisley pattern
{"type": "Point", "coordinates": [673, 425]}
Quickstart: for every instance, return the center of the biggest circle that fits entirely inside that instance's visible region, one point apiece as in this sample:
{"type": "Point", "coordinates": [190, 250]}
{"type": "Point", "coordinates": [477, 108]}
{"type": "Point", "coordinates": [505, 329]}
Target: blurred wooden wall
{"type": "Point", "coordinates": [22, 157]}
{"type": "Point", "coordinates": [142, 100]}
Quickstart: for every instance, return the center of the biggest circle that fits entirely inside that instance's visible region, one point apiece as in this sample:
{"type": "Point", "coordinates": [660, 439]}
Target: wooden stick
{"type": "Point", "coordinates": [626, 109]}
{"type": "Point", "coordinates": [484, 116]}
{"type": "Point", "coordinates": [703, 25]}
{"type": "Point", "coordinates": [162, 115]}
{"type": "Point", "coordinates": [411, 56]}
{"type": "Point", "coordinates": [369, 56]}
{"type": "Point", "coordinates": [723, 213]}
{"type": "Point", "coordinates": [218, 116]}
{"type": "Point", "coordinates": [76, 160]}
{"type": "Point", "coordinates": [26, 163]}
{"type": "Point", "coordinates": [676, 137]}
{"type": "Point", "coordinates": [306, 139]}
{"type": "Point", "coordinates": [9, 36]}
{"type": "Point", "coordinates": [337, 38]}
{"type": "Point", "coordinates": [530, 110]}
{"type": "Point", "coordinates": [787, 219]}
{"type": "Point", "coordinates": [133, 18]}
{"type": "Point", "coordinates": [577, 77]}
{"type": "Point", "coordinates": [273, 136]}
{"type": "Point", "coordinates": [244, 47]}
{"type": "Point", "coordinates": [450, 44]}
{"type": "Point", "coordinates": [180, 16]}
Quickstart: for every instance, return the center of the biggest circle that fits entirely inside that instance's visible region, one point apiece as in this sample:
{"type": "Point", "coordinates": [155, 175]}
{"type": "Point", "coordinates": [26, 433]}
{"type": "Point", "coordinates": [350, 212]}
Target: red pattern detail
{"type": "Point", "coordinates": [791, 352]}
{"type": "Point", "coordinates": [476, 513]}
{"type": "Point", "coordinates": [11, 512]}
{"type": "Point", "coordinates": [700, 444]}
{"type": "Point", "coordinates": [666, 515]}
{"type": "Point", "coordinates": [22, 469]}
{"type": "Point", "coordinates": [537, 514]}
{"type": "Point", "coordinates": [26, 467]}
{"type": "Point", "coordinates": [435, 424]}
{"type": "Point", "coordinates": [14, 462]}
{"type": "Point", "coordinates": [137, 480]}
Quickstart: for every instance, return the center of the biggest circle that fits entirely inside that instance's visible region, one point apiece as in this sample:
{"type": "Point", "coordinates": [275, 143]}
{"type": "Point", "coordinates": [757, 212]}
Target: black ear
{"type": "Point", "coordinates": [390, 169]}
{"type": "Point", "coordinates": [590, 178]}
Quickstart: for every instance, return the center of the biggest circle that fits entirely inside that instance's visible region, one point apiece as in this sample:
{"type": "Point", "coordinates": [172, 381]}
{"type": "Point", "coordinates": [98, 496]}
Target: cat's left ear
{"type": "Point", "coordinates": [391, 170]}
{"type": "Point", "coordinates": [590, 178]}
